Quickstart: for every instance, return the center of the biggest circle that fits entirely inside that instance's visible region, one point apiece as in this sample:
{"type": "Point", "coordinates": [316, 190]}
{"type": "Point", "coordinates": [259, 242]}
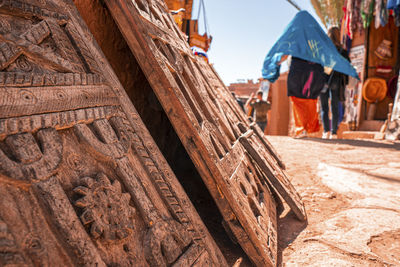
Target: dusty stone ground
{"type": "Point", "coordinates": [351, 190]}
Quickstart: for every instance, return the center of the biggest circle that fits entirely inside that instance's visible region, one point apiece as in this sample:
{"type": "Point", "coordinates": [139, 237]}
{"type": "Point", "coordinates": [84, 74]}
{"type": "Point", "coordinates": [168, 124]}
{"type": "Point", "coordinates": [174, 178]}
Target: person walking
{"type": "Point", "coordinates": [304, 84]}
{"type": "Point", "coordinates": [260, 108]}
{"type": "Point", "coordinates": [334, 91]}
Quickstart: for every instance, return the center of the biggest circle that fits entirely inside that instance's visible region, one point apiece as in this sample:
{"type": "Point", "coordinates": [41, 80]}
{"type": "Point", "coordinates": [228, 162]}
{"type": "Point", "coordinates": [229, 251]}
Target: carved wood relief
{"type": "Point", "coordinates": [238, 165]}
{"type": "Point", "coordinates": [81, 181]}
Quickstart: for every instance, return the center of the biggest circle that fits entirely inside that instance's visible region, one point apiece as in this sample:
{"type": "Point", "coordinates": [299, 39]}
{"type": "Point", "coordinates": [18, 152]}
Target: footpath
{"type": "Point", "coordinates": [351, 190]}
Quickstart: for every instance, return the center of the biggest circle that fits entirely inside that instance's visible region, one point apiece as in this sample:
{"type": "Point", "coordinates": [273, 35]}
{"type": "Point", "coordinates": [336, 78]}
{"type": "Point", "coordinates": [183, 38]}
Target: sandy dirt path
{"type": "Point", "coordinates": [351, 190]}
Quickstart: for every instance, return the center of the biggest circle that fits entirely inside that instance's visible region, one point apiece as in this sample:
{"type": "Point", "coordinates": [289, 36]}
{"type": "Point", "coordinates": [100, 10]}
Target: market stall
{"type": "Point", "coordinates": [370, 31]}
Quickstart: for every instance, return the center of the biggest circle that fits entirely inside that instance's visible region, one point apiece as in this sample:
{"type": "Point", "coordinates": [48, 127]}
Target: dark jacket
{"type": "Point", "coordinates": [339, 80]}
{"type": "Point", "coordinates": [305, 79]}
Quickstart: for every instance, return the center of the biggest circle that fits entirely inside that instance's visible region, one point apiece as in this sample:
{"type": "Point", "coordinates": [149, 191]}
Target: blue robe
{"type": "Point", "coordinates": [304, 38]}
{"type": "Point", "coordinates": [393, 4]}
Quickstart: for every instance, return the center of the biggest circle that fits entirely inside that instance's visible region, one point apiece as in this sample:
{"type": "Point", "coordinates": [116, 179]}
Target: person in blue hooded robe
{"type": "Point", "coordinates": [312, 51]}
{"type": "Point", "coordinates": [305, 39]}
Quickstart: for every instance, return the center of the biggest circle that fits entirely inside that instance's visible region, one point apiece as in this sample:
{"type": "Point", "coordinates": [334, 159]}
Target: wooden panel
{"type": "Point", "coordinates": [276, 176]}
{"type": "Point", "coordinates": [82, 183]}
{"type": "Point", "coordinates": [209, 123]}
{"type": "Point", "coordinates": [376, 36]}
{"type": "Point", "coordinates": [391, 33]}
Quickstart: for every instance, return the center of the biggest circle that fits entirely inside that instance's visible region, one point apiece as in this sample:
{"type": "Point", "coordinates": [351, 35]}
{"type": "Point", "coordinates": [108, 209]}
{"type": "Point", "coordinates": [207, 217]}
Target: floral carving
{"type": "Point", "coordinates": [106, 212]}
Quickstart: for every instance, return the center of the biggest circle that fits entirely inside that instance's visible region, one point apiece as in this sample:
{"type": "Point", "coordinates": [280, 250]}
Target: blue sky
{"type": "Point", "coordinates": [244, 31]}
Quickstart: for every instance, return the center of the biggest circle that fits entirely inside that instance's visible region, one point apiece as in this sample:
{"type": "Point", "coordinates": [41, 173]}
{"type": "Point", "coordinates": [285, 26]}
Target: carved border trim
{"type": "Point", "coordinates": [58, 120]}
{"type": "Point", "coordinates": [13, 5]}
{"type": "Point", "coordinates": [162, 185]}
{"type": "Point", "coordinates": [14, 79]}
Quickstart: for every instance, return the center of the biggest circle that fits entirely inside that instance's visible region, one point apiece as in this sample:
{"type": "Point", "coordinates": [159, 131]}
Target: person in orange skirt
{"type": "Point", "coordinates": [305, 116]}
{"type": "Point", "coordinates": [305, 82]}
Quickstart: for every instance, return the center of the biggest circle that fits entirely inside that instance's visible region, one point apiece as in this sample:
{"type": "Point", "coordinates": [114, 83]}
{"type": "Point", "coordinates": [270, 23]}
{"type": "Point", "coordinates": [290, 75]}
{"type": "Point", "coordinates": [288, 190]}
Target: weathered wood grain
{"type": "Point", "coordinates": [275, 175]}
{"type": "Point", "coordinates": [206, 119]}
{"type": "Point", "coordinates": [82, 183]}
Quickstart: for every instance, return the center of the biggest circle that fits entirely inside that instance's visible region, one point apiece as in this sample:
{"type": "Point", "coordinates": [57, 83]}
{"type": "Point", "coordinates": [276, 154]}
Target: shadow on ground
{"type": "Point", "coordinates": [359, 143]}
{"type": "Point", "coordinates": [289, 228]}
{"type": "Point", "coordinates": [377, 176]}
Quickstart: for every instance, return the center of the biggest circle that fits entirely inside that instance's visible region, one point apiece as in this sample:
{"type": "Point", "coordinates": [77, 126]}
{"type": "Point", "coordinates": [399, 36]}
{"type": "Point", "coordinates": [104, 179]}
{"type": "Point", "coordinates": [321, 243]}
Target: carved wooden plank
{"type": "Point", "coordinates": [207, 126]}
{"type": "Point", "coordinates": [82, 183]}
{"type": "Point", "coordinates": [231, 107]}
{"type": "Point", "coordinates": [259, 148]}
{"type": "Point", "coordinates": [276, 176]}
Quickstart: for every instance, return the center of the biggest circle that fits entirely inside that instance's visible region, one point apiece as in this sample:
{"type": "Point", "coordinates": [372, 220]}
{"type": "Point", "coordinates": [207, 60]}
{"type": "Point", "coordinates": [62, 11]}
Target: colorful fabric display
{"type": "Point", "coordinates": [395, 6]}
{"type": "Point", "coordinates": [381, 13]}
{"type": "Point", "coordinates": [347, 19]}
{"type": "Point", "coordinates": [367, 10]}
{"type": "Point", "coordinates": [357, 23]}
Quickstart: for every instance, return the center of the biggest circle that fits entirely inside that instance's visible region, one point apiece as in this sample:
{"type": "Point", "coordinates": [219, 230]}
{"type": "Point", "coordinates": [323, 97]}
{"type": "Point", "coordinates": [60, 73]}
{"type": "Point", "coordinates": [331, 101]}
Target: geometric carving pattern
{"type": "Point", "coordinates": [13, 79]}
{"type": "Point", "coordinates": [14, 46]}
{"type": "Point", "coordinates": [27, 44]}
{"type": "Point", "coordinates": [110, 138]}
{"type": "Point", "coordinates": [191, 95]}
{"type": "Point", "coordinates": [276, 176]}
{"type": "Point", "coordinates": [15, 6]}
{"type": "Point", "coordinates": [215, 132]}
{"type": "Point", "coordinates": [166, 240]}
{"type": "Point", "coordinates": [165, 189]}
{"type": "Point", "coordinates": [60, 120]}
{"type": "Point", "coordinates": [61, 109]}
{"type": "Point", "coordinates": [254, 196]}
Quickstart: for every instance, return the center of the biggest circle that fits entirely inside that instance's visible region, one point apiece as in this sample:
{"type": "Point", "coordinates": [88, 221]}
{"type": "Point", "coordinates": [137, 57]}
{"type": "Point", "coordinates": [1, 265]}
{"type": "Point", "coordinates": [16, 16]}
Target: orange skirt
{"type": "Point", "coordinates": [305, 114]}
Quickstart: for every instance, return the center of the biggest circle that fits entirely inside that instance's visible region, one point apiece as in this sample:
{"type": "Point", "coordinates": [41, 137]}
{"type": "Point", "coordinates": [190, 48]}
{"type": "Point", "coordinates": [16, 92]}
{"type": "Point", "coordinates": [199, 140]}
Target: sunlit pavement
{"type": "Point", "coordinates": [351, 189]}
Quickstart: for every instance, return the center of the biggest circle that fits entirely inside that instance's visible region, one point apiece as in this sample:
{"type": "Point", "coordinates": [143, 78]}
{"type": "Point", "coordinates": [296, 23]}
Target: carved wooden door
{"type": "Point", "coordinates": [208, 127]}
{"type": "Point", "coordinates": [255, 142]}
{"type": "Point", "coordinates": [81, 181]}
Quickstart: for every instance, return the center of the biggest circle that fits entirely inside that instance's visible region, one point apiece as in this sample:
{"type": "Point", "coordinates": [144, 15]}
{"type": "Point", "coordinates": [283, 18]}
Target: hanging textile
{"type": "Point", "coordinates": [395, 5]}
{"type": "Point", "coordinates": [344, 31]}
{"type": "Point", "coordinates": [348, 19]}
{"type": "Point", "coordinates": [352, 20]}
{"type": "Point", "coordinates": [356, 20]}
{"type": "Point", "coordinates": [304, 38]}
{"type": "Point", "coordinates": [305, 115]}
{"type": "Point", "coordinates": [381, 13]}
{"type": "Point", "coordinates": [367, 12]}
